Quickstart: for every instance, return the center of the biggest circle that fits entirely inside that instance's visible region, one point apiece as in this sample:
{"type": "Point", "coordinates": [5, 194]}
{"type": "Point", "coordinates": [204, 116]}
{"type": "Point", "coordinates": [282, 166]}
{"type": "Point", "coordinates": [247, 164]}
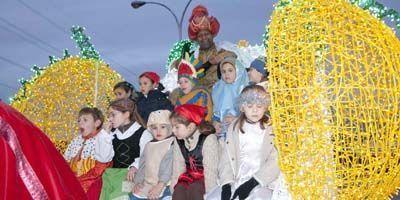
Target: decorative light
{"type": "Point", "coordinates": [176, 51]}
{"type": "Point", "coordinates": [87, 50]}
{"type": "Point", "coordinates": [54, 97]}
{"type": "Point", "coordinates": [55, 94]}
{"type": "Point", "coordinates": [334, 74]}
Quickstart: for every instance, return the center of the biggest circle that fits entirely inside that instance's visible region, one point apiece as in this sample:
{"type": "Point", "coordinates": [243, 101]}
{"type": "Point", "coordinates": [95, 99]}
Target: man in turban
{"type": "Point", "coordinates": [203, 29]}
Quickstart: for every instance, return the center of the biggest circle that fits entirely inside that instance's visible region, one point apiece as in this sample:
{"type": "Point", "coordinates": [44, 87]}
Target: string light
{"type": "Point", "coordinates": [66, 54]}
{"type": "Point", "coordinates": [87, 50]}
{"type": "Point", "coordinates": [176, 51]}
{"type": "Point", "coordinates": [334, 74]}
{"type": "Point", "coordinates": [54, 95]}
{"type": "Point", "coordinates": [375, 8]}
{"type": "Point", "coordinates": [53, 99]}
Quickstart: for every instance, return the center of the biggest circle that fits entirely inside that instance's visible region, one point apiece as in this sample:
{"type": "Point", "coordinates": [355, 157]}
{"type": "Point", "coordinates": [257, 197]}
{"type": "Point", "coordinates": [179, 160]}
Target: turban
{"type": "Point", "coordinates": [199, 20]}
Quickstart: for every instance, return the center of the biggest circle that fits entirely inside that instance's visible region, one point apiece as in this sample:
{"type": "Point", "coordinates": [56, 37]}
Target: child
{"type": "Point", "coordinates": [189, 92]}
{"type": "Point", "coordinates": [126, 144]}
{"type": "Point", "coordinates": [226, 91]}
{"type": "Point", "coordinates": [155, 167]}
{"type": "Point", "coordinates": [257, 72]}
{"type": "Point", "coordinates": [151, 97]}
{"type": "Point", "coordinates": [195, 155]}
{"type": "Point", "coordinates": [248, 165]}
{"type": "Point", "coordinates": [84, 154]}
{"type": "Point", "coordinates": [125, 89]}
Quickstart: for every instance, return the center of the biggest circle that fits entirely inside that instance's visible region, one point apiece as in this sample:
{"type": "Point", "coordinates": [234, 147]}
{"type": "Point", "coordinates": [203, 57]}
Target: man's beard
{"type": "Point", "coordinates": [207, 44]}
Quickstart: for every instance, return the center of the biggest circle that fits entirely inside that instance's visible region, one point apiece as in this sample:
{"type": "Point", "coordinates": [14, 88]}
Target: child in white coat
{"type": "Point", "coordinates": [248, 166]}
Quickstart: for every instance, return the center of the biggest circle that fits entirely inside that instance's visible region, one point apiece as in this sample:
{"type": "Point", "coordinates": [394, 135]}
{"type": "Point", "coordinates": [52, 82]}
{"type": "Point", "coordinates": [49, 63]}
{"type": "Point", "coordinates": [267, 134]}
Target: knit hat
{"type": "Point", "coordinates": [259, 65]}
{"type": "Point", "coordinates": [191, 112]}
{"type": "Point", "coordinates": [152, 76]}
{"type": "Point", "coordinates": [199, 20]}
{"type": "Point", "coordinates": [159, 117]}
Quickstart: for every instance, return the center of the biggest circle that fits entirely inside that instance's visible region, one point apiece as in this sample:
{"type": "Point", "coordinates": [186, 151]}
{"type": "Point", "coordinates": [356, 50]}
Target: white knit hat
{"type": "Point", "coordinates": [159, 117]}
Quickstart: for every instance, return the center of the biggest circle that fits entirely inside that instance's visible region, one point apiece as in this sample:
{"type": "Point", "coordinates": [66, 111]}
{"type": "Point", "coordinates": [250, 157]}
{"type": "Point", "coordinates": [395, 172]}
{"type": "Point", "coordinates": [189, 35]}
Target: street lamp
{"type": "Point", "coordinates": [138, 4]}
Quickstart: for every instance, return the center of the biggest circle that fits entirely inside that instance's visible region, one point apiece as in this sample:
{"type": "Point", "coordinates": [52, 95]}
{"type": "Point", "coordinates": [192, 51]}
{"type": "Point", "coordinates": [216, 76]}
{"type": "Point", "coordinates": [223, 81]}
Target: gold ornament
{"type": "Point", "coordinates": [52, 101]}
{"type": "Point", "coordinates": [243, 43]}
{"type": "Point", "coordinates": [335, 100]}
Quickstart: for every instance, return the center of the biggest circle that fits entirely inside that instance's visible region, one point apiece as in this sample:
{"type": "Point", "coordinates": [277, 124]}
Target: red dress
{"type": "Point", "coordinates": [30, 165]}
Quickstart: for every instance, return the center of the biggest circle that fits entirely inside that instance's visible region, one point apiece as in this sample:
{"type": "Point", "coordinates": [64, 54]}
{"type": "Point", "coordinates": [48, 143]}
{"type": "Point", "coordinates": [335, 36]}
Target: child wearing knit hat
{"type": "Point", "coordinates": [155, 167]}
{"type": "Point", "coordinates": [257, 72]}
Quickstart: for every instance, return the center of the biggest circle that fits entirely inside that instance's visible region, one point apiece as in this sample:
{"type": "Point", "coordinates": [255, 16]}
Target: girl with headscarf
{"type": "Point", "coordinates": [226, 90]}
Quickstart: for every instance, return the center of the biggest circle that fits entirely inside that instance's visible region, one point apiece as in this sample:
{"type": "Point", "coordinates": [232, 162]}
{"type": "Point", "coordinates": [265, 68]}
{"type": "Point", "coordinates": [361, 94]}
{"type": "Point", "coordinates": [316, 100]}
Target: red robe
{"type": "Point", "coordinates": [30, 165]}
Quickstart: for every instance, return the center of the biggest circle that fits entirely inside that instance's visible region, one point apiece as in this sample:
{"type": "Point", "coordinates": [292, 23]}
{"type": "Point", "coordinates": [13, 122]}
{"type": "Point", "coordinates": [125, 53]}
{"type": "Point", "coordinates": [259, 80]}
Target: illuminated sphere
{"type": "Point", "coordinates": [53, 99]}
{"type": "Point", "coordinates": [335, 88]}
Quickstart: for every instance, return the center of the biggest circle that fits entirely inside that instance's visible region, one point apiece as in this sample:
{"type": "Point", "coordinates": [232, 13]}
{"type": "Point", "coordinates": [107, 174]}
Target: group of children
{"type": "Point", "coordinates": [189, 145]}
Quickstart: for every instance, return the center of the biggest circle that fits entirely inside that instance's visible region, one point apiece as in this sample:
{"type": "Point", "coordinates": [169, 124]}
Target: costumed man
{"type": "Point", "coordinates": [202, 30]}
{"type": "Point", "coordinates": [30, 165]}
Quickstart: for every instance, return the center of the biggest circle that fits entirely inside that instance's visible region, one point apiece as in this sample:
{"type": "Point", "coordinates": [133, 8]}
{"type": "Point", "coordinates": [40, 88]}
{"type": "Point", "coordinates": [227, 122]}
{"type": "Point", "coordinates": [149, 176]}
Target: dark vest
{"type": "Point", "coordinates": [196, 154]}
{"type": "Point", "coordinates": [126, 150]}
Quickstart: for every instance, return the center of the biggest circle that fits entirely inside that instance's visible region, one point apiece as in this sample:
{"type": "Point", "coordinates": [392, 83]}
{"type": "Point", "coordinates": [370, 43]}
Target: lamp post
{"type": "Point", "coordinates": [138, 4]}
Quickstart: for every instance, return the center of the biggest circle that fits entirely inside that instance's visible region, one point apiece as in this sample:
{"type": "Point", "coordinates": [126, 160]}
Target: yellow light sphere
{"type": "Point", "coordinates": [335, 100]}
{"type": "Point", "coordinates": [52, 101]}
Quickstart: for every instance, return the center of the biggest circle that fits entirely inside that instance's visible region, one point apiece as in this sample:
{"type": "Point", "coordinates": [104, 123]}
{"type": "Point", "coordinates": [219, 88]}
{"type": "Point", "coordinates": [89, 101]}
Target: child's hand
{"type": "Point", "coordinates": [131, 174]}
{"type": "Point", "coordinates": [137, 188]}
{"type": "Point", "coordinates": [155, 191]}
{"type": "Point", "coordinates": [107, 126]}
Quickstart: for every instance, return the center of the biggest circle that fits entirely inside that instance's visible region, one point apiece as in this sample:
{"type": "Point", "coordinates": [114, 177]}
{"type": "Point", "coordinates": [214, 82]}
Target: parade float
{"type": "Point", "coordinates": [334, 82]}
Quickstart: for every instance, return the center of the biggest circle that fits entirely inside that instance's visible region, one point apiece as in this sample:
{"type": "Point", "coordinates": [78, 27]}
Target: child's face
{"type": "Point", "coordinates": [218, 127]}
{"type": "Point", "coordinates": [121, 94]}
{"type": "Point", "coordinates": [185, 84]}
{"type": "Point", "coordinates": [254, 112]}
{"type": "Point", "coordinates": [182, 131]}
{"type": "Point", "coordinates": [254, 75]}
{"type": "Point", "coordinates": [87, 124]}
{"type": "Point", "coordinates": [146, 85]}
{"type": "Point", "coordinates": [118, 118]}
{"type": "Point", "coordinates": [228, 73]}
{"type": "Point", "coordinates": [160, 131]}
